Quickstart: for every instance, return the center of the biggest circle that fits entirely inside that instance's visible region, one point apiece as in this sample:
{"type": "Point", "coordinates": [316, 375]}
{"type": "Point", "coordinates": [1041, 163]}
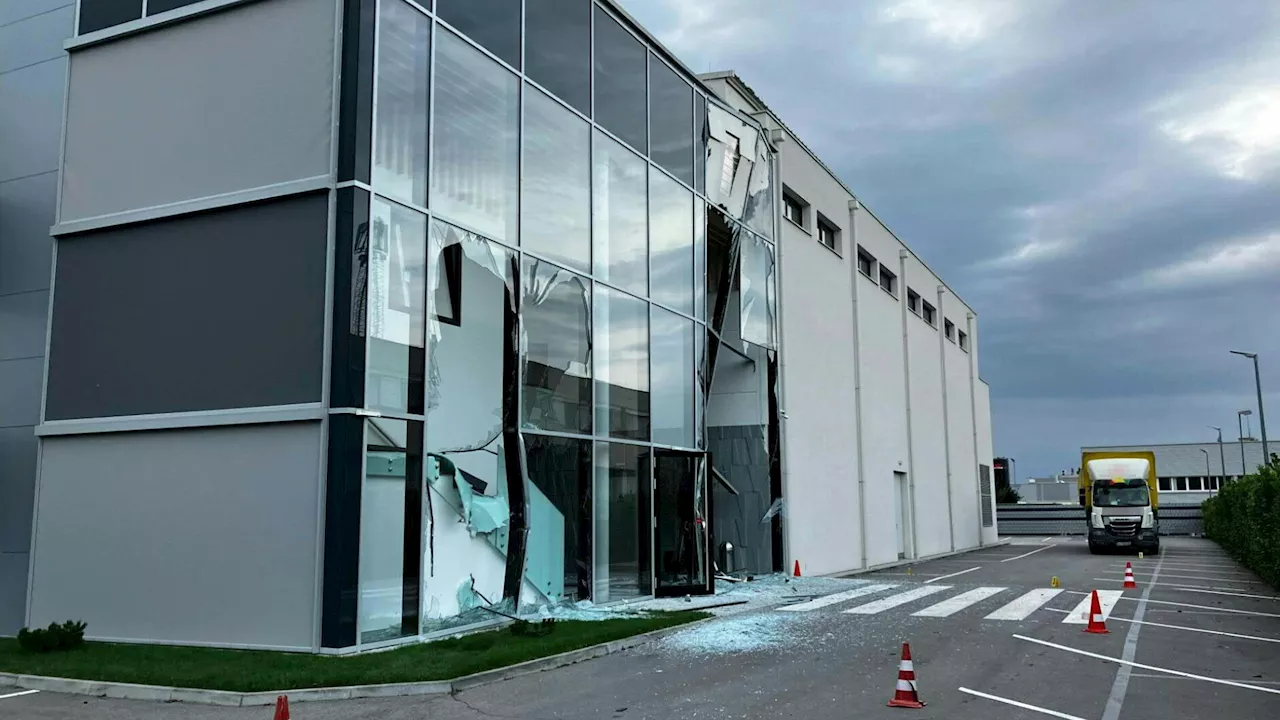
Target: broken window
{"type": "Point", "coordinates": [390, 529]}
{"type": "Point", "coordinates": [622, 365]}
{"type": "Point", "coordinates": [699, 259]}
{"type": "Point", "coordinates": [622, 522]}
{"type": "Point", "coordinates": [559, 560]}
{"type": "Point", "coordinates": [758, 213]}
{"type": "Point", "coordinates": [759, 302]}
{"type": "Point", "coordinates": [671, 245]}
{"type": "Point", "coordinates": [396, 320]}
{"type": "Point", "coordinates": [557, 347]}
{"type": "Point", "coordinates": [699, 142]}
{"type": "Point", "coordinates": [620, 217]}
{"type": "Point", "coordinates": [739, 169]}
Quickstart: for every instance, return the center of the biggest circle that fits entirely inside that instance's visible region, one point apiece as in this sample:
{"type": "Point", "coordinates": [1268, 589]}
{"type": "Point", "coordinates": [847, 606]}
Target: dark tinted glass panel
{"type": "Point", "coordinates": [623, 522]}
{"type": "Point", "coordinates": [673, 379]}
{"type": "Point", "coordinates": [495, 24]}
{"type": "Point", "coordinates": [556, 315]}
{"type": "Point", "coordinates": [404, 61]}
{"type": "Point", "coordinates": [620, 218]}
{"type": "Point", "coordinates": [477, 116]}
{"type": "Point", "coordinates": [99, 14]}
{"type": "Point", "coordinates": [671, 120]}
{"type": "Point", "coordinates": [342, 530]}
{"type": "Point", "coordinates": [350, 285]}
{"type": "Point", "coordinates": [557, 47]}
{"type": "Point", "coordinates": [560, 476]}
{"type": "Point", "coordinates": [670, 243]}
{"type": "Point", "coordinates": [699, 143]}
{"type": "Point", "coordinates": [159, 6]}
{"type": "Point", "coordinates": [556, 190]}
{"type": "Point", "coordinates": [355, 119]}
{"type": "Point", "coordinates": [621, 106]}
{"type": "Point", "coordinates": [219, 310]}
{"type": "Point", "coordinates": [622, 365]}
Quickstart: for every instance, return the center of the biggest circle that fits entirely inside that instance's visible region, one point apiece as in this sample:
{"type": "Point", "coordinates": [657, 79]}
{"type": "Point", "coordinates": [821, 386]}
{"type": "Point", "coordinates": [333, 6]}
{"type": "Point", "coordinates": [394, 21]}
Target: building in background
{"type": "Point", "coordinates": [1060, 489]}
{"type": "Point", "coordinates": [1189, 473]}
{"type": "Point", "coordinates": [369, 313]}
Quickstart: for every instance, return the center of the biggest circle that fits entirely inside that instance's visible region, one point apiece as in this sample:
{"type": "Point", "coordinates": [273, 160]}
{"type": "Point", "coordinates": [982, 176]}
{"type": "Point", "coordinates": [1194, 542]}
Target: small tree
{"type": "Point", "coordinates": [1005, 493]}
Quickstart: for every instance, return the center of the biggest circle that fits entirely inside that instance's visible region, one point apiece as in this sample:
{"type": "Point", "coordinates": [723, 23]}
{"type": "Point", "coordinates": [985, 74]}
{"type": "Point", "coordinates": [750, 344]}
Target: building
{"type": "Point", "coordinates": [1189, 473]}
{"type": "Point", "coordinates": [1060, 489]}
{"type": "Point", "coordinates": [365, 314]}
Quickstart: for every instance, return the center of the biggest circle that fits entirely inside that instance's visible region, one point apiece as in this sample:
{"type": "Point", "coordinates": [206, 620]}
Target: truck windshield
{"type": "Point", "coordinates": [1121, 495]}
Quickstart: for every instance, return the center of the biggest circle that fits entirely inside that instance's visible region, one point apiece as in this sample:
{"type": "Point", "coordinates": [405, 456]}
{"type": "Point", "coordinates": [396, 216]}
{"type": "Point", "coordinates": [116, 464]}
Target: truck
{"type": "Point", "coordinates": [1121, 501]}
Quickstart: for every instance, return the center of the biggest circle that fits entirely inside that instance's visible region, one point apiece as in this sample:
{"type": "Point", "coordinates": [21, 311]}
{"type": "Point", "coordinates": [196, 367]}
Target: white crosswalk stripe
{"type": "Point", "coordinates": [953, 605]}
{"type": "Point", "coordinates": [1106, 598]}
{"type": "Point", "coordinates": [834, 598]}
{"type": "Point", "coordinates": [1024, 605]}
{"type": "Point", "coordinates": [894, 601]}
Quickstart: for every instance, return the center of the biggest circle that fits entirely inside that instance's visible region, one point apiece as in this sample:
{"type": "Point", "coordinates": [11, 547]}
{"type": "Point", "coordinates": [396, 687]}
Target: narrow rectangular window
{"type": "Point", "coordinates": [950, 329]}
{"type": "Point", "coordinates": [827, 235]}
{"type": "Point", "coordinates": [1182, 483]}
{"type": "Point", "coordinates": [1165, 484]}
{"type": "Point", "coordinates": [1194, 483]}
{"type": "Point", "coordinates": [793, 210]}
{"type": "Point", "coordinates": [866, 263]}
{"type": "Point", "coordinates": [913, 301]}
{"type": "Point", "coordinates": [888, 281]}
{"type": "Point", "coordinates": [964, 341]}
{"type": "Point", "coordinates": [930, 315]}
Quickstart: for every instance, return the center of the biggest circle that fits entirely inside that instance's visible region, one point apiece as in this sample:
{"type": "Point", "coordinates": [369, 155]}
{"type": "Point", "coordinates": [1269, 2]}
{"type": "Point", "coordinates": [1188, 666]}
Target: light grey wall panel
{"type": "Point", "coordinates": [31, 119]}
{"type": "Point", "coordinates": [11, 11]}
{"type": "Point", "coordinates": [13, 591]}
{"type": "Point", "coordinates": [35, 39]}
{"type": "Point", "coordinates": [22, 324]}
{"type": "Point", "coordinates": [26, 212]}
{"type": "Point", "coordinates": [17, 487]}
{"type": "Point", "coordinates": [20, 383]}
{"type": "Point", "coordinates": [182, 536]}
{"type": "Point", "coordinates": [226, 102]}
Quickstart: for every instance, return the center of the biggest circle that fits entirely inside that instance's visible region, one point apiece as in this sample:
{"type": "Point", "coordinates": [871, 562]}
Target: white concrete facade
{"type": "Point", "coordinates": [886, 423]}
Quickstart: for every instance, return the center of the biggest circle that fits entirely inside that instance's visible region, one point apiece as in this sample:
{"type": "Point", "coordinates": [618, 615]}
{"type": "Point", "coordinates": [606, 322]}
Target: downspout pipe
{"type": "Point", "coordinates": [973, 419]}
{"type": "Point", "coordinates": [941, 322]}
{"type": "Point", "coordinates": [854, 207]}
{"type": "Point", "coordinates": [777, 136]}
{"type": "Point", "coordinates": [906, 375]}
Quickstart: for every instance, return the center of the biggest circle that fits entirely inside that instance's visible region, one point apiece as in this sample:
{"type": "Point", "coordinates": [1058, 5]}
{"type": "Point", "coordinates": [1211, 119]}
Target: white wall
{"type": "Point", "coordinates": [964, 465]}
{"type": "Point", "coordinates": [986, 454]}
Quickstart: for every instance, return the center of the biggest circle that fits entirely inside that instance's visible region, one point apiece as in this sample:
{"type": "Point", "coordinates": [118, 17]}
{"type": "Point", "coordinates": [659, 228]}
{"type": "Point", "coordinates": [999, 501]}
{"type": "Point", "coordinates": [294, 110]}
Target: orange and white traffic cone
{"type": "Point", "coordinates": [796, 572]}
{"type": "Point", "coordinates": [1096, 622]}
{"type": "Point", "coordinates": [282, 708]}
{"type": "Point", "coordinates": [906, 696]}
{"type": "Point", "coordinates": [1129, 582]}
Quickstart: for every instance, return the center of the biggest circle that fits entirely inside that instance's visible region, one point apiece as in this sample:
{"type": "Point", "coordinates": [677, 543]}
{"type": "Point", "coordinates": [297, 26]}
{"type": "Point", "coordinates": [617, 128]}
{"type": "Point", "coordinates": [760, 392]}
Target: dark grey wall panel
{"type": "Point", "coordinates": [739, 453]}
{"type": "Point", "coordinates": [26, 212]}
{"type": "Point", "coordinates": [230, 101]}
{"type": "Point", "coordinates": [22, 324]}
{"type": "Point", "coordinates": [17, 487]}
{"type": "Point", "coordinates": [20, 391]}
{"type": "Point", "coordinates": [217, 310]}
{"type": "Point", "coordinates": [31, 118]}
{"type": "Point", "coordinates": [13, 591]}
{"type": "Point", "coordinates": [36, 39]}
{"type": "Point", "coordinates": [11, 11]}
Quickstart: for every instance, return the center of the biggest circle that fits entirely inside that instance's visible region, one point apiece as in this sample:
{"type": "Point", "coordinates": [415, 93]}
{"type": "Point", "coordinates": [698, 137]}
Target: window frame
{"type": "Point", "coordinates": [892, 278]}
{"type": "Point", "coordinates": [963, 340]}
{"type": "Point", "coordinates": [949, 329]}
{"type": "Point", "coordinates": [869, 260]}
{"type": "Point", "coordinates": [824, 225]}
{"type": "Point", "coordinates": [913, 301]}
{"type": "Point", "coordinates": [790, 199]}
{"type": "Point", "coordinates": [929, 314]}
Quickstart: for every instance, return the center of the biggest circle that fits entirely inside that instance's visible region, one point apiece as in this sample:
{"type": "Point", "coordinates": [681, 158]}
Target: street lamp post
{"type": "Point", "coordinates": [1222, 456]}
{"type": "Point", "coordinates": [1244, 469]}
{"type": "Point", "coordinates": [1262, 415]}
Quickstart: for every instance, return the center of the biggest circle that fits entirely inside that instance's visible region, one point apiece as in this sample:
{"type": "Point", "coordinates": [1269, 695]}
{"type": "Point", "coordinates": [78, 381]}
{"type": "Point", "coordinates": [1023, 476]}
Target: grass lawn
{"type": "Point", "coordinates": [256, 671]}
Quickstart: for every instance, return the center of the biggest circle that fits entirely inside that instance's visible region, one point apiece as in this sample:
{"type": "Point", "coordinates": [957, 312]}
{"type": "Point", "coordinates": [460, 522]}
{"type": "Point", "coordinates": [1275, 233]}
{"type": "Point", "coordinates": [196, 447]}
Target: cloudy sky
{"type": "Point", "coordinates": [1100, 180]}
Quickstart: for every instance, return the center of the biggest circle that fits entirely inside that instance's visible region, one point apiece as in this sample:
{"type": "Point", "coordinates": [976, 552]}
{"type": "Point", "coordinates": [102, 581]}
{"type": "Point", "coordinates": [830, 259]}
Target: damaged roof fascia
{"type": "Point", "coordinates": [736, 81]}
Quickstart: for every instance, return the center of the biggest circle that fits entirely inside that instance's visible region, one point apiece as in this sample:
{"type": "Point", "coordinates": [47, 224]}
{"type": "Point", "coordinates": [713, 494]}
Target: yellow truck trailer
{"type": "Point", "coordinates": [1121, 500]}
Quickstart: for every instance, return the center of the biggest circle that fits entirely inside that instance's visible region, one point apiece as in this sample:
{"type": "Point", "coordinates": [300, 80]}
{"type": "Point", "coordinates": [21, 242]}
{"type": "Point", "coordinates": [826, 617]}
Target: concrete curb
{"type": "Point", "coordinates": [915, 561]}
{"type": "Point", "coordinates": [195, 696]}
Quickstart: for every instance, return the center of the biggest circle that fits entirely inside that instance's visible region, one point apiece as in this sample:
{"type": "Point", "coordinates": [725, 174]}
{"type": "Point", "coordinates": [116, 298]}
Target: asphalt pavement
{"type": "Point", "coordinates": [991, 638]}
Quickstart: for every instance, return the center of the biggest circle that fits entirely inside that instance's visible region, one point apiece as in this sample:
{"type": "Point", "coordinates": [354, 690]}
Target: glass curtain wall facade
{"type": "Point", "coordinates": [522, 332]}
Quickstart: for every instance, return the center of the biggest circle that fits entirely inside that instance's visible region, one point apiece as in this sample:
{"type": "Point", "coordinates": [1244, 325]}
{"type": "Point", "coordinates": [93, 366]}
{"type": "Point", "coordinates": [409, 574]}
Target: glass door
{"type": "Point", "coordinates": [682, 532]}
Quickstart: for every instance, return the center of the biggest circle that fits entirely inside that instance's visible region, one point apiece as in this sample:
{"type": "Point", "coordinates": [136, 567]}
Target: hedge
{"type": "Point", "coordinates": [1244, 518]}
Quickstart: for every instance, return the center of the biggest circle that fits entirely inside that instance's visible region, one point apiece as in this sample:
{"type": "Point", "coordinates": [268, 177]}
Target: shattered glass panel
{"type": "Point", "coordinates": [622, 522]}
{"type": "Point", "coordinates": [622, 365]}
{"type": "Point", "coordinates": [474, 177]}
{"type": "Point", "coordinates": [559, 561]}
{"type": "Point", "coordinates": [699, 142]}
{"type": "Point", "coordinates": [681, 527]}
{"type": "Point", "coordinates": [671, 120]}
{"type": "Point", "coordinates": [557, 349]}
{"type": "Point", "coordinates": [699, 259]}
{"type": "Point", "coordinates": [674, 389]}
{"type": "Point", "coordinates": [701, 386]}
{"type": "Point", "coordinates": [734, 150]}
{"type": "Point", "coordinates": [556, 206]}
{"type": "Point", "coordinates": [468, 515]}
{"type": "Point", "coordinates": [621, 104]}
{"type": "Point", "coordinates": [397, 300]}
{"type": "Point", "coordinates": [404, 75]}
{"type": "Point", "coordinates": [620, 217]}
{"type": "Point", "coordinates": [671, 243]}
{"type": "Point", "coordinates": [759, 303]}
{"type": "Point", "coordinates": [391, 494]}
{"type": "Point", "coordinates": [759, 209]}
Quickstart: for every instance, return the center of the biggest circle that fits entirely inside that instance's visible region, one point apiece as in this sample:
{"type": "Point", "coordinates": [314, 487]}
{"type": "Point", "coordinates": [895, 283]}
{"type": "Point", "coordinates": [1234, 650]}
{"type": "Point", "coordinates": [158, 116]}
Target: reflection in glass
{"type": "Point", "coordinates": [671, 120]}
{"type": "Point", "coordinates": [759, 302]}
{"type": "Point", "coordinates": [477, 117]}
{"type": "Point", "coordinates": [556, 320]}
{"type": "Point", "coordinates": [700, 386]}
{"type": "Point", "coordinates": [680, 533]}
{"type": "Point", "coordinates": [623, 528]}
{"type": "Point", "coordinates": [494, 24]}
{"type": "Point", "coordinates": [699, 259]}
{"type": "Point", "coordinates": [397, 314]}
{"type": "Point", "coordinates": [670, 243]}
{"type": "Point", "coordinates": [621, 105]}
{"type": "Point", "coordinates": [557, 48]}
{"type": "Point", "coordinates": [404, 58]}
{"type": "Point", "coordinates": [556, 205]}
{"type": "Point", "coordinates": [391, 494]}
{"type": "Point", "coordinates": [622, 365]}
{"type": "Point", "coordinates": [699, 142]}
{"type": "Point", "coordinates": [673, 379]}
{"type": "Point", "coordinates": [620, 217]}
{"type": "Point", "coordinates": [759, 208]}
{"type": "Point", "coordinates": [559, 562]}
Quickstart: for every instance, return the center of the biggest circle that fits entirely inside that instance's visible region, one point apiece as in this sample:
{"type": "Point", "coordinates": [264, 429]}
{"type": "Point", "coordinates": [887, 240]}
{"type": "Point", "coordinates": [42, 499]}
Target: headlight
{"type": "Point", "coordinates": [1097, 520]}
{"type": "Point", "coordinates": [1148, 518]}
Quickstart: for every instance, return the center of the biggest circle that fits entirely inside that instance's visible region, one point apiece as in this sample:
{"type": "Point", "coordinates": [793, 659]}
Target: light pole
{"type": "Point", "coordinates": [1222, 456]}
{"type": "Point", "coordinates": [1262, 415]}
{"type": "Point", "coordinates": [1207, 471]}
{"type": "Point", "coordinates": [1244, 469]}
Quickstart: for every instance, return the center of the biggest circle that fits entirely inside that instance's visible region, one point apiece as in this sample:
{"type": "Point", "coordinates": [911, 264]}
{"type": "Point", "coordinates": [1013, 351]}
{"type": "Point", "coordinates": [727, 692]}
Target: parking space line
{"type": "Point", "coordinates": [18, 694]}
{"type": "Point", "coordinates": [944, 577]}
{"type": "Point", "coordinates": [1130, 663]}
{"type": "Point", "coordinates": [1233, 611]}
{"type": "Point", "coordinates": [1033, 552]}
{"type": "Point", "coordinates": [953, 605]}
{"type": "Point", "coordinates": [1188, 588]}
{"type": "Point", "coordinates": [1155, 676]}
{"type": "Point", "coordinates": [1178, 585]}
{"type": "Point", "coordinates": [1211, 579]}
{"type": "Point", "coordinates": [1023, 606]}
{"type": "Point", "coordinates": [834, 598]}
{"type": "Point", "coordinates": [1022, 705]}
{"type": "Point", "coordinates": [1184, 627]}
{"type": "Point", "coordinates": [894, 601]}
{"type": "Point", "coordinates": [1106, 598]}
{"type": "Point", "coordinates": [1199, 567]}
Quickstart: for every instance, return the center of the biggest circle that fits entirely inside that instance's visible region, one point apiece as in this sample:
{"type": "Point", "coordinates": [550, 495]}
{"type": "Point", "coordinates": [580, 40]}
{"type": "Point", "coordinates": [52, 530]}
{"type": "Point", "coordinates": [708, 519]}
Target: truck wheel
{"type": "Point", "coordinates": [1093, 549]}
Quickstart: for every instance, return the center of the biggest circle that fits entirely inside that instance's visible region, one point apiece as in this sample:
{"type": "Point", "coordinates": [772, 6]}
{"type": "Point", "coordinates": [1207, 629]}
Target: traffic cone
{"type": "Point", "coordinates": [282, 708]}
{"type": "Point", "coordinates": [1096, 622]}
{"type": "Point", "coordinates": [906, 696]}
{"type": "Point", "coordinates": [796, 572]}
{"type": "Point", "coordinates": [1129, 582]}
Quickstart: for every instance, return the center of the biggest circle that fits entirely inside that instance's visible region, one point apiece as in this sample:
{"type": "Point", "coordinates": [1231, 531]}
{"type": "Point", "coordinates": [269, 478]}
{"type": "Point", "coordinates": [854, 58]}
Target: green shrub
{"type": "Point", "coordinates": [58, 636]}
{"type": "Point", "coordinates": [1244, 518]}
